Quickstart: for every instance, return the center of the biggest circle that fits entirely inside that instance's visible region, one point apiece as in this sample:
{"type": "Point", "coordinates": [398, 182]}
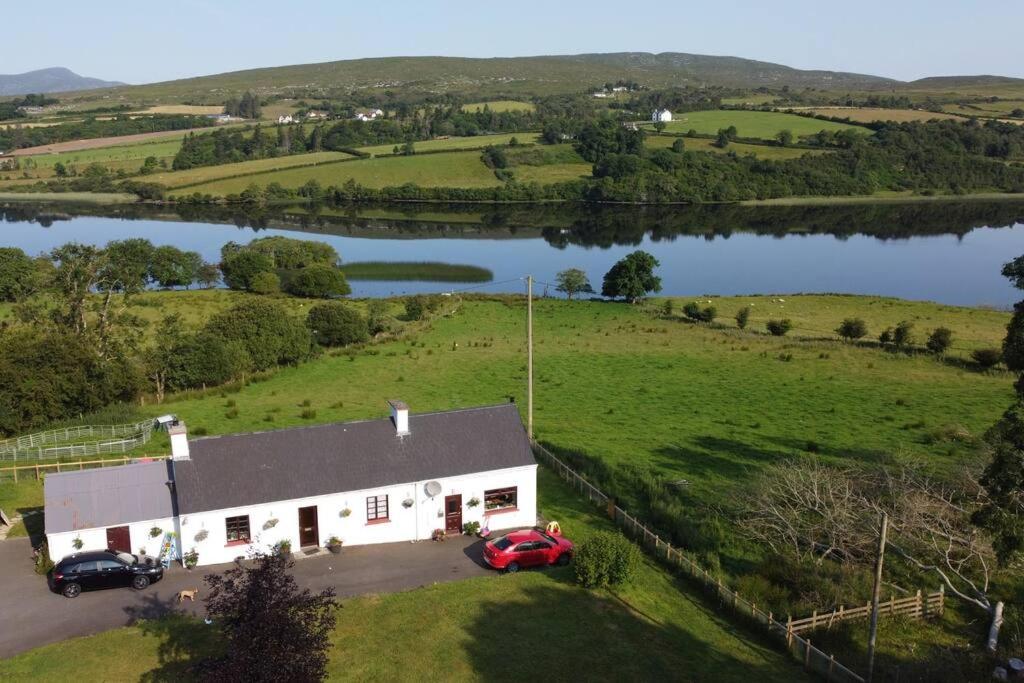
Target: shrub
{"type": "Point", "coordinates": [265, 331]}
{"type": "Point", "coordinates": [779, 328]}
{"type": "Point", "coordinates": [318, 281]}
{"type": "Point", "coordinates": [265, 283]}
{"type": "Point", "coordinates": [43, 563]}
{"type": "Point", "coordinates": [902, 334]}
{"type": "Point", "coordinates": [335, 324]}
{"type": "Point", "coordinates": [308, 414]}
{"type": "Point", "coordinates": [606, 559]}
{"type": "Point", "coordinates": [377, 317]}
{"type": "Point", "coordinates": [885, 337]}
{"type": "Point", "coordinates": [852, 328]}
{"type": "Point", "coordinates": [667, 308]}
{"type": "Point", "coordinates": [987, 358]}
{"type": "Point", "coordinates": [939, 340]}
{"type": "Point", "coordinates": [471, 528]}
{"type": "Point", "coordinates": [415, 307]}
{"type": "Point", "coordinates": [742, 317]}
{"type": "Point", "coordinates": [695, 312]}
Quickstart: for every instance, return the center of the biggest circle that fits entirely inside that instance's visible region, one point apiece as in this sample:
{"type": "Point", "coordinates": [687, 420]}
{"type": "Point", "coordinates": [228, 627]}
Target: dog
{"type": "Point", "coordinates": [188, 593]}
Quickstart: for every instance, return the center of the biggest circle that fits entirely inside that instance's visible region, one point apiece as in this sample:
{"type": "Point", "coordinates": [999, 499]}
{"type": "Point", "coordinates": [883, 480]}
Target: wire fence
{"type": "Point", "coordinates": [40, 470]}
{"type": "Point", "coordinates": [813, 659]}
{"type": "Point", "coordinates": [53, 444]}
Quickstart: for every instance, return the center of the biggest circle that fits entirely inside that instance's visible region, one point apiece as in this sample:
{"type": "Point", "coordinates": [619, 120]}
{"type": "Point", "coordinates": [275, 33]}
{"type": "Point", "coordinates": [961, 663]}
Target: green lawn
{"type": "Point", "coordinates": [456, 143]}
{"type": "Point", "coordinates": [469, 629]}
{"type": "Point", "coordinates": [204, 174]}
{"type": "Point", "coordinates": [499, 106]}
{"type": "Point", "coordinates": [770, 152]}
{"type": "Point", "coordinates": [753, 124]}
{"type": "Point", "coordinates": [552, 173]}
{"type": "Point", "coordinates": [457, 169]}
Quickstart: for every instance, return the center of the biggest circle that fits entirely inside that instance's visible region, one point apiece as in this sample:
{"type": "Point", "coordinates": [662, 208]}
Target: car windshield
{"type": "Point", "coordinates": [503, 543]}
{"type": "Point", "coordinates": [126, 558]}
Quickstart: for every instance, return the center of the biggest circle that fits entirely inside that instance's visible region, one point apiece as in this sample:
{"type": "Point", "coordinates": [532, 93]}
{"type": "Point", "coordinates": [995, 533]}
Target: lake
{"type": "Point", "coordinates": [950, 252]}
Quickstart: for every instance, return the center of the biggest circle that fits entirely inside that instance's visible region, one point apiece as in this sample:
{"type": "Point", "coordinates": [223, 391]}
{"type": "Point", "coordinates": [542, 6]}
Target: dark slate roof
{"type": "Point", "coordinates": [247, 469]}
{"type": "Point", "coordinates": [108, 496]}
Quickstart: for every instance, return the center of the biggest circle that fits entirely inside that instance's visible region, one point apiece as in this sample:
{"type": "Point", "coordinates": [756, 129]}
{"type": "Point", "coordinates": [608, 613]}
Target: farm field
{"type": "Point", "coordinates": [753, 100]}
{"type": "Point", "coordinates": [456, 143]}
{"type": "Point", "coordinates": [869, 114]}
{"type": "Point", "coordinates": [114, 141]}
{"type": "Point", "coordinates": [187, 109]}
{"type": "Point", "coordinates": [499, 106]}
{"type": "Point", "coordinates": [113, 157]}
{"type": "Point", "coordinates": [479, 621]}
{"type": "Point", "coordinates": [458, 169]}
{"type": "Point", "coordinates": [205, 174]}
{"type": "Point", "coordinates": [280, 108]}
{"type": "Point", "coordinates": [548, 174]}
{"type": "Point", "coordinates": [752, 124]}
{"type": "Point", "coordinates": [769, 152]}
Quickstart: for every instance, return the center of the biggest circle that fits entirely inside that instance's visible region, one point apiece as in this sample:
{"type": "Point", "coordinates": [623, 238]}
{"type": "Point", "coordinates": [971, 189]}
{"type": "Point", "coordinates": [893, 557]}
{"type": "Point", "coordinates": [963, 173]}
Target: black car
{"type": "Point", "coordinates": [102, 569]}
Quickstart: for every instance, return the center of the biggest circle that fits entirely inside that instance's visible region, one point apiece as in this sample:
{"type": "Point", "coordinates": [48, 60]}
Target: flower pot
{"type": "Point", "coordinates": [336, 549]}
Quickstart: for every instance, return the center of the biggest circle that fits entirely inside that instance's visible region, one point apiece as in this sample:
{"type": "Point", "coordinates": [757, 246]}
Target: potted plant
{"type": "Point", "coordinates": [346, 512]}
{"type": "Point", "coordinates": [284, 548]}
{"type": "Point", "coordinates": [334, 544]}
{"type": "Point", "coordinates": [191, 559]}
{"type": "Point", "coordinates": [201, 536]}
{"type": "Point", "coordinates": [473, 502]}
{"type": "Point", "coordinates": [77, 543]}
{"type": "Point", "coordinates": [471, 528]}
{"type": "Point", "coordinates": [438, 535]}
{"type": "Point", "coordinates": [155, 531]}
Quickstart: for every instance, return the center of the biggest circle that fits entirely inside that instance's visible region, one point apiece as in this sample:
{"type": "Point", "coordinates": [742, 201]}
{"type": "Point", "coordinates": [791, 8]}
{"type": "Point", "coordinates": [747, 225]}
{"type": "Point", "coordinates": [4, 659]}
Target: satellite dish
{"type": "Point", "coordinates": [432, 488]}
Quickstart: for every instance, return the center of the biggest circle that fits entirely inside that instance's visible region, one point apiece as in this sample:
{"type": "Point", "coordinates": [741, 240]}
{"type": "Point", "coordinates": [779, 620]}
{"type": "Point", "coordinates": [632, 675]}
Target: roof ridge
{"type": "Point", "coordinates": [349, 422]}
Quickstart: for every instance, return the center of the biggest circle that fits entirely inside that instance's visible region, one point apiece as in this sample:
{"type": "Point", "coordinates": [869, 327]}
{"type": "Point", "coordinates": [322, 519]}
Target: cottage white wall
{"type": "Point", "coordinates": [416, 522]}
{"type": "Point", "coordinates": [62, 544]}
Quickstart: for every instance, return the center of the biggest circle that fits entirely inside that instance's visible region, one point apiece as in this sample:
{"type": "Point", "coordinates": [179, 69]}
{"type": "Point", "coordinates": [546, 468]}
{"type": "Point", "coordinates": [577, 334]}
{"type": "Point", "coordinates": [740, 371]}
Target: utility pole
{"type": "Point", "coordinates": [529, 356]}
{"type": "Point", "coordinates": [873, 635]}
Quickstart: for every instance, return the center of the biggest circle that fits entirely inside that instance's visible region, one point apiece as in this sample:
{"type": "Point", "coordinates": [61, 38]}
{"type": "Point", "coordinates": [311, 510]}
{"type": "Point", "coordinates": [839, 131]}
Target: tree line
{"type": "Point", "coordinates": [17, 137]}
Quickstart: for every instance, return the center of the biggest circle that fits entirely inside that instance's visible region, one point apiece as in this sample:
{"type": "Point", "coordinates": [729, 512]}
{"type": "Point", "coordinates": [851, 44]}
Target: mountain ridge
{"type": "Point", "coordinates": [53, 79]}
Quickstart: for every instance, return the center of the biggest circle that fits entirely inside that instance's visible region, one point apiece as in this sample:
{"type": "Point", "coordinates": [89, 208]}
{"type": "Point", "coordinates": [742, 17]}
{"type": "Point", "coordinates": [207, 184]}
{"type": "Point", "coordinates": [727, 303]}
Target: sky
{"type": "Point", "coordinates": [142, 42]}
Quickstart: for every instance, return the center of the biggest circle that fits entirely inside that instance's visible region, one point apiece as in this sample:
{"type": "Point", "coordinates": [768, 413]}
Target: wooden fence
{"type": "Point", "coordinates": [43, 445]}
{"type": "Point", "coordinates": [40, 470]}
{"type": "Point", "coordinates": [813, 659]}
{"type": "Point", "coordinates": [916, 606]}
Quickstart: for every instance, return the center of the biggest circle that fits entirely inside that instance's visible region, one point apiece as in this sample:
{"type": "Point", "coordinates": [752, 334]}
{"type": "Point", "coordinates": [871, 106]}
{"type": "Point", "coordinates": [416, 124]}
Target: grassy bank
{"type": "Point", "coordinates": [423, 271]}
{"type": "Point", "coordinates": [639, 632]}
{"type": "Point", "coordinates": [753, 124]}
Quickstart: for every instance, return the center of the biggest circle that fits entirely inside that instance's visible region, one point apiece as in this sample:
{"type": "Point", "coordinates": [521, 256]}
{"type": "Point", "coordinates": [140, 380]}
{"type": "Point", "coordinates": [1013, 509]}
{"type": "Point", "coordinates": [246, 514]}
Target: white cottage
{"type": "Point", "coordinates": [663, 115]}
{"type": "Point", "coordinates": [374, 481]}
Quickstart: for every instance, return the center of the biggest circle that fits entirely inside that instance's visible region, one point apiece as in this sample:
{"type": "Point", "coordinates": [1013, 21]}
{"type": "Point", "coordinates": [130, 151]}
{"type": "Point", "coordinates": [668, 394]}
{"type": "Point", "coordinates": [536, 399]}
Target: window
{"type": "Point", "coordinates": [110, 564]}
{"type": "Point", "coordinates": [237, 528]}
{"type": "Point", "coordinates": [376, 508]}
{"type": "Point", "coordinates": [500, 499]}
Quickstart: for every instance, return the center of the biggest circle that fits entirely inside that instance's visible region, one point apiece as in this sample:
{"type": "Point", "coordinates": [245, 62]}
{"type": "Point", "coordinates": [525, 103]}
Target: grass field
{"type": "Point", "coordinates": [205, 174]}
{"type": "Point", "coordinates": [869, 114]}
{"type": "Point", "coordinates": [129, 157]}
{"type": "Point", "coordinates": [425, 271]}
{"type": "Point", "coordinates": [552, 173]}
{"type": "Point", "coordinates": [499, 106]}
{"type": "Point", "coordinates": [752, 100]}
{"type": "Point", "coordinates": [769, 152]}
{"type": "Point", "coordinates": [187, 109]}
{"type": "Point", "coordinates": [641, 631]}
{"type": "Point", "coordinates": [753, 124]}
{"type": "Point", "coordinates": [456, 143]}
{"type": "Point", "coordinates": [458, 169]}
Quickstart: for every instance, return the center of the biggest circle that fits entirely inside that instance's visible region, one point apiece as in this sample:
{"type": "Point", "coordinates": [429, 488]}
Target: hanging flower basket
{"type": "Point", "coordinates": [407, 503]}
{"type": "Point", "coordinates": [202, 535]}
{"type": "Point", "coordinates": [270, 523]}
{"type": "Point", "coordinates": [345, 513]}
{"type": "Point", "coordinates": [155, 531]}
{"type": "Point", "coordinates": [473, 502]}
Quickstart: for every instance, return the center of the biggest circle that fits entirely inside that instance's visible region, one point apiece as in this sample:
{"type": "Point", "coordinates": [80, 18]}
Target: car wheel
{"type": "Point", "coordinates": [512, 567]}
{"type": "Point", "coordinates": [71, 590]}
{"type": "Point", "coordinates": [562, 560]}
{"type": "Point", "coordinates": [140, 582]}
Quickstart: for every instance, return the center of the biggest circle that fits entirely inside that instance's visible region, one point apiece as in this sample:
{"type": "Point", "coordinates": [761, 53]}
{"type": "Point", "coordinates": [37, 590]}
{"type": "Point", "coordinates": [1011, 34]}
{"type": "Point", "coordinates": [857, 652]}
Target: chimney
{"type": "Point", "coordinates": [400, 416]}
{"type": "Point", "coordinates": [179, 441]}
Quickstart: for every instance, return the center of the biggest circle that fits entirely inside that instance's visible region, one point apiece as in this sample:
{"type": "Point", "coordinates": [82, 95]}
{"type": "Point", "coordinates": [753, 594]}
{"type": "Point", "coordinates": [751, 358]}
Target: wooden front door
{"type": "Point", "coordinates": [453, 514]}
{"type": "Point", "coordinates": [119, 539]}
{"type": "Point", "coordinates": [309, 532]}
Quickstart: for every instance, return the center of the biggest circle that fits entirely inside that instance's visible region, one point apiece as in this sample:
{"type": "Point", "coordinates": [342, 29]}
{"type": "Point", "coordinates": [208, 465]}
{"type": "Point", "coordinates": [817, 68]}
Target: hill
{"type": "Point", "coordinates": [56, 79]}
{"type": "Point", "coordinates": [512, 75]}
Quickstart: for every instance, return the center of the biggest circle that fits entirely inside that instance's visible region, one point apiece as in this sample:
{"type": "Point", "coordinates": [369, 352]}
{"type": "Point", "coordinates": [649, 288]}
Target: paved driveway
{"type": "Point", "coordinates": [30, 615]}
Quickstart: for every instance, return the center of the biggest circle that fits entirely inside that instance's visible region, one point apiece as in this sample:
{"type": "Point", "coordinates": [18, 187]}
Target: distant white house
{"type": "Point", "coordinates": [663, 115]}
{"type": "Point", "coordinates": [316, 114]}
{"type": "Point", "coordinates": [369, 114]}
{"type": "Point", "coordinates": [601, 95]}
{"type": "Point", "coordinates": [285, 118]}
{"type": "Point", "coordinates": [402, 478]}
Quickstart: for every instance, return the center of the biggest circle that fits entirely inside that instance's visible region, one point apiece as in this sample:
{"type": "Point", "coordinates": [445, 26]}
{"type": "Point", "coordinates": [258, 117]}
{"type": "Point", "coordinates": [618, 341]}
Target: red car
{"type": "Point", "coordinates": [527, 548]}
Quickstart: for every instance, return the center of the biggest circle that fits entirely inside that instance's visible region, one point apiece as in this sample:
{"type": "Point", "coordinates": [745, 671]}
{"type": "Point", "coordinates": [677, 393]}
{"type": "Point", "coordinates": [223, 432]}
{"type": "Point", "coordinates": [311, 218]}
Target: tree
{"type": "Point", "coordinates": [939, 340]}
{"type": "Point", "coordinates": [660, 126]}
{"type": "Point", "coordinates": [265, 283]}
{"type": "Point", "coordinates": [241, 267]}
{"type": "Point", "coordinates": [903, 334]}
{"type": "Point", "coordinates": [377, 316]}
{"type": "Point", "coordinates": [721, 140]}
{"type": "Point", "coordinates": [18, 275]}
{"type": "Point", "coordinates": [678, 146]}
{"type": "Point", "coordinates": [172, 267]}
{"type": "Point", "coordinates": [693, 311]}
{"type": "Point", "coordinates": [632, 277]}
{"type": "Point", "coordinates": [272, 630]}
{"type": "Point", "coordinates": [128, 265]}
{"type": "Point", "coordinates": [779, 328]}
{"type": "Point", "coordinates": [267, 331]}
{"type": "Point", "coordinates": [742, 316]}
{"type": "Point", "coordinates": [573, 281]}
{"type": "Point", "coordinates": [78, 272]}
{"type": "Point", "coordinates": [852, 328]}
{"type": "Point", "coordinates": [1013, 343]}
{"type": "Point", "coordinates": [605, 558]}
{"type": "Point", "coordinates": [208, 275]}
{"type": "Point", "coordinates": [784, 137]}
{"type": "Point", "coordinates": [318, 281]}
{"type": "Point", "coordinates": [415, 307]}
{"type": "Point", "coordinates": [335, 324]}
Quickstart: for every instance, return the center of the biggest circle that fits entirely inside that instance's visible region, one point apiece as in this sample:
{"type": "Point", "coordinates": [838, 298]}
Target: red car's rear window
{"type": "Point", "coordinates": [503, 543]}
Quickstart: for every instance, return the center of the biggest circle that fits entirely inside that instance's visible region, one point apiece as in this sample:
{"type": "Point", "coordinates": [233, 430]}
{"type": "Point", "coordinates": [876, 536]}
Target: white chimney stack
{"type": "Point", "coordinates": [179, 441]}
{"type": "Point", "coordinates": [400, 416]}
